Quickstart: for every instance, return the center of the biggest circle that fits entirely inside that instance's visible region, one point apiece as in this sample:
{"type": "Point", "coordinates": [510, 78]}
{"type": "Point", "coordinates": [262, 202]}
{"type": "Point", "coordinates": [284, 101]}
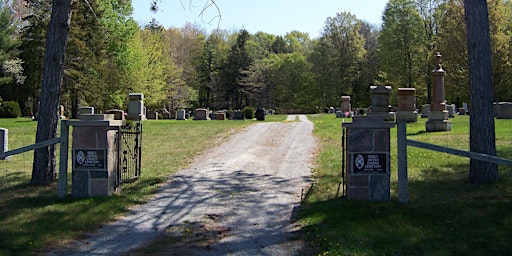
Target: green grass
{"type": "Point", "coordinates": [445, 216]}
{"type": "Point", "coordinates": [33, 219]}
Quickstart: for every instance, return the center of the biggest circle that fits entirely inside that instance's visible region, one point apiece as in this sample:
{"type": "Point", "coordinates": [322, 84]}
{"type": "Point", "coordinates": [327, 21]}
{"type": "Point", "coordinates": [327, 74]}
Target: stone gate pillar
{"type": "Point", "coordinates": [368, 158]}
{"type": "Point", "coordinates": [95, 156]}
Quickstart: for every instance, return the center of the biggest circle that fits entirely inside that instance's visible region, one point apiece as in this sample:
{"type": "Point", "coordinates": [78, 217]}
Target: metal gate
{"type": "Point", "coordinates": [129, 145]}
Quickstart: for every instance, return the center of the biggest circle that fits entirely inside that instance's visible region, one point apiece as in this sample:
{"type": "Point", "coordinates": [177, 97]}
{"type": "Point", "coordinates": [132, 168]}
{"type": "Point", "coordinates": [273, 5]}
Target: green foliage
{"type": "Point", "coordinates": [10, 109]}
{"type": "Point", "coordinates": [249, 113]}
{"type": "Point", "coordinates": [402, 45]}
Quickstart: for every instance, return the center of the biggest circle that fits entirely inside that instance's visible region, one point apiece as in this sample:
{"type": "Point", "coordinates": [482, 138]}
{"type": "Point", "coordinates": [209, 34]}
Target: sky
{"type": "Point", "coordinates": [276, 17]}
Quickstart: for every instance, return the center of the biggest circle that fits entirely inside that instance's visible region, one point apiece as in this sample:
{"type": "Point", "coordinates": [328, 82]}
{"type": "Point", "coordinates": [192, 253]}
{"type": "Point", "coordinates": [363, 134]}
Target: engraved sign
{"type": "Point", "coordinates": [89, 158]}
{"type": "Point", "coordinates": [369, 162]}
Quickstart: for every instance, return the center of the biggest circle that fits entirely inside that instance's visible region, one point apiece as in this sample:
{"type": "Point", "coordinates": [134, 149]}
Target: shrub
{"type": "Point", "coordinates": [10, 109]}
{"type": "Point", "coordinates": [249, 113]}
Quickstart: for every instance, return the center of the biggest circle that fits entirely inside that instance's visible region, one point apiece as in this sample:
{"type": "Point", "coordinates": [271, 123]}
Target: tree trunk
{"type": "Point", "coordinates": [44, 166]}
{"type": "Point", "coordinates": [482, 130]}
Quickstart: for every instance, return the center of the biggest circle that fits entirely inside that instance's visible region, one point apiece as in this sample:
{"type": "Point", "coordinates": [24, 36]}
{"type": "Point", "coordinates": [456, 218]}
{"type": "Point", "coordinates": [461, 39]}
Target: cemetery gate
{"type": "Point", "coordinates": [129, 144]}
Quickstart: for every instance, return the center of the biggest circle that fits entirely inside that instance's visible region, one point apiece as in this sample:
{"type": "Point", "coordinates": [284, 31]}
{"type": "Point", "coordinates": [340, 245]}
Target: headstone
{"type": "Point", "coordinates": [4, 138]}
{"type": "Point", "coordinates": [451, 110]}
{"type": "Point", "coordinates": [407, 105]}
{"type": "Point", "coordinates": [346, 106]}
{"type": "Point", "coordinates": [152, 115]}
{"type": "Point", "coordinates": [221, 116]}
{"type": "Point", "coordinates": [260, 114]}
{"type": "Point", "coordinates": [340, 114]}
{"type": "Point", "coordinates": [166, 114]}
{"type": "Point", "coordinates": [438, 116]}
{"type": "Point", "coordinates": [462, 111]}
{"type": "Point", "coordinates": [118, 114]}
{"type": "Point", "coordinates": [466, 107]}
{"type": "Point", "coordinates": [238, 115]}
{"type": "Point", "coordinates": [425, 109]}
{"type": "Point", "coordinates": [61, 112]}
{"type": "Point", "coordinates": [380, 102]}
{"type": "Point", "coordinates": [136, 109]}
{"type": "Point", "coordinates": [180, 114]}
{"type": "Point", "coordinates": [201, 114]}
{"type": "Point", "coordinates": [504, 110]}
{"type": "Point", "coordinates": [85, 111]}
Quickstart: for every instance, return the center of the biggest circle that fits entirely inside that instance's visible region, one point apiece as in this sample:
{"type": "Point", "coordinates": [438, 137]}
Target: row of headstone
{"type": "Point", "coordinates": [503, 110]}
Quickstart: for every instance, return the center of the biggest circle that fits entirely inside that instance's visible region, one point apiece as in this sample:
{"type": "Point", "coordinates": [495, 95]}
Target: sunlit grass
{"type": "Point", "coordinates": [33, 219]}
{"type": "Point", "coordinates": [445, 216]}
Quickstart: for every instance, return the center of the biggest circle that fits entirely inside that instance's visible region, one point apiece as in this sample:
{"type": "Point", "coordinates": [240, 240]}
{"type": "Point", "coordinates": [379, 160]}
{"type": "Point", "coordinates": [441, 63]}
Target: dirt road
{"type": "Point", "coordinates": [235, 199]}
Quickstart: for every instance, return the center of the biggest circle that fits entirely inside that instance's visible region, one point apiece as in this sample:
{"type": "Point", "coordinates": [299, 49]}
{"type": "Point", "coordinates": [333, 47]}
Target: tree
{"type": "Point", "coordinates": [451, 41]}
{"type": "Point", "coordinates": [237, 62]}
{"type": "Point", "coordinates": [44, 166]}
{"type": "Point", "coordinates": [482, 131]}
{"type": "Point", "coordinates": [401, 45]}
{"type": "Point", "coordinates": [337, 57]}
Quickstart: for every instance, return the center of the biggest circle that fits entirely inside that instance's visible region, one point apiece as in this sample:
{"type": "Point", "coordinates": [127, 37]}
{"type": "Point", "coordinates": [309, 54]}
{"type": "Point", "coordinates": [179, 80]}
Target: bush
{"type": "Point", "coordinates": [249, 113]}
{"type": "Point", "coordinates": [10, 109]}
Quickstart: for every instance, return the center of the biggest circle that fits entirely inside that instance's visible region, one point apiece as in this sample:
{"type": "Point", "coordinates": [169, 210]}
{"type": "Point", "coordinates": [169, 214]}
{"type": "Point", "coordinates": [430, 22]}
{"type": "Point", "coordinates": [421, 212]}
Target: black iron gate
{"type": "Point", "coordinates": [129, 144]}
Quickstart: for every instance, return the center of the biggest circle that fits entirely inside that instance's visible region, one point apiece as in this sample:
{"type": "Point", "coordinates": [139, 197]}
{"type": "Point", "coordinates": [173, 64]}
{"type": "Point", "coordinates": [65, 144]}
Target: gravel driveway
{"type": "Point", "coordinates": [235, 199]}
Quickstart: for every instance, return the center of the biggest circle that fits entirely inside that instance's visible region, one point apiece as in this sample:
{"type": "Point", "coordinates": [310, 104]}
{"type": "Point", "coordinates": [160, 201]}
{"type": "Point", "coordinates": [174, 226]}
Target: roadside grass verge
{"type": "Point", "coordinates": [34, 220]}
{"type": "Point", "coordinates": [445, 216]}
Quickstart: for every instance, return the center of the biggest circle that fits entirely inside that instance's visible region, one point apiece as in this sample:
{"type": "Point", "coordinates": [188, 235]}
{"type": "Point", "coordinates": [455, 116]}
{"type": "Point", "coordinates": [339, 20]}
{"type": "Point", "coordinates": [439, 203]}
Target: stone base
{"type": "Point", "coordinates": [370, 187]}
{"type": "Point", "coordinates": [438, 125]}
{"type": "Point", "coordinates": [409, 117]}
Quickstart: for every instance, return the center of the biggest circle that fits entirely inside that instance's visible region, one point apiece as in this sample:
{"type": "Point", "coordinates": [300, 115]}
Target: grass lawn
{"type": "Point", "coordinates": [445, 216]}
{"type": "Point", "coordinates": [33, 219]}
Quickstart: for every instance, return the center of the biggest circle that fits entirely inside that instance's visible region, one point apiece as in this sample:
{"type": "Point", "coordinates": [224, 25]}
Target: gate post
{"type": "Point", "coordinates": [368, 152]}
{"type": "Point", "coordinates": [62, 186]}
{"type": "Point", "coordinates": [403, 182]}
{"type": "Point", "coordinates": [94, 155]}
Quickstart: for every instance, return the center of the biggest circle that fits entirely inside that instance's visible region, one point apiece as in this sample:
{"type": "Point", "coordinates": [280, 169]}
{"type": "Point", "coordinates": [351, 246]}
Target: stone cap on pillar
{"type": "Point", "coordinates": [97, 120]}
{"type": "Point", "coordinates": [368, 122]}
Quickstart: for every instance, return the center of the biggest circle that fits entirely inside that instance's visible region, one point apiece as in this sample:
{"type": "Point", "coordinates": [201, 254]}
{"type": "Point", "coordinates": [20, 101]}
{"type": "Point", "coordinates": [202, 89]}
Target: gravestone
{"type": "Point", "coordinates": [368, 154]}
{"type": "Point", "coordinates": [346, 106]}
{"type": "Point", "coordinates": [152, 115]}
{"type": "Point", "coordinates": [451, 110]}
{"type": "Point", "coordinates": [425, 109]}
{"type": "Point", "coordinates": [260, 114]}
{"type": "Point", "coordinates": [201, 114]}
{"type": "Point", "coordinates": [340, 114]}
{"type": "Point", "coordinates": [438, 116]}
{"type": "Point", "coordinates": [406, 109]}
{"type": "Point", "coordinates": [503, 110]}
{"type": "Point", "coordinates": [166, 114]}
{"type": "Point", "coordinates": [180, 114]}
{"type": "Point", "coordinates": [118, 114]}
{"type": "Point", "coordinates": [136, 109]}
{"type": "Point", "coordinates": [85, 111]}
{"type": "Point", "coordinates": [4, 138]}
{"type": "Point", "coordinates": [380, 102]}
{"type": "Point", "coordinates": [221, 115]}
{"type": "Point", "coordinates": [61, 112]}
{"type": "Point", "coordinates": [238, 115]}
